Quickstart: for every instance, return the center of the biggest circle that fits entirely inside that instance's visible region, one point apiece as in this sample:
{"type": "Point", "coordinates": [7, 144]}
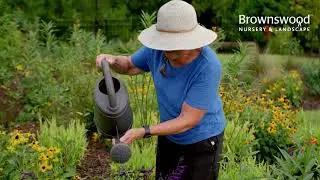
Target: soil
{"type": "Point", "coordinates": [25, 127]}
{"type": "Point", "coordinates": [311, 103]}
{"type": "Point", "coordinates": [95, 164]}
{"type": "Point", "coordinates": [10, 107]}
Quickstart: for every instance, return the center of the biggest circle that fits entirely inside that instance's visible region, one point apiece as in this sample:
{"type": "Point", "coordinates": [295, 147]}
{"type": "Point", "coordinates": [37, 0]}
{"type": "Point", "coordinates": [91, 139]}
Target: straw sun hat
{"type": "Point", "coordinates": [177, 28]}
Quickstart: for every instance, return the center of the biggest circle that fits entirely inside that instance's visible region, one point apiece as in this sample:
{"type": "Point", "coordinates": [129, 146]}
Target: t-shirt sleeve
{"type": "Point", "coordinates": [141, 58]}
{"type": "Point", "coordinates": [204, 89]}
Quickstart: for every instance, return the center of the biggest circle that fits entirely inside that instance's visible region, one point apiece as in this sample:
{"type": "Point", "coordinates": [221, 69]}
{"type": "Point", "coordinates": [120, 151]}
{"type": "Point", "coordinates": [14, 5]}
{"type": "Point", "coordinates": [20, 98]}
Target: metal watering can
{"type": "Point", "coordinates": [112, 113]}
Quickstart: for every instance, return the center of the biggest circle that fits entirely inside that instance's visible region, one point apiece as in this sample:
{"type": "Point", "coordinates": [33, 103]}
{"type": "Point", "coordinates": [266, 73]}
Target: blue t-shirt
{"type": "Point", "coordinates": [196, 84]}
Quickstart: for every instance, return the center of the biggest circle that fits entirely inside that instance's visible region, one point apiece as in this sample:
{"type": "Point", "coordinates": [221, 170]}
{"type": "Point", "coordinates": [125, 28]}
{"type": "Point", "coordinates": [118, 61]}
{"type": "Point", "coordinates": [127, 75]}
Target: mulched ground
{"type": "Point", "coordinates": [9, 106]}
{"type": "Point", "coordinates": [311, 103]}
{"type": "Point", "coordinates": [95, 164]}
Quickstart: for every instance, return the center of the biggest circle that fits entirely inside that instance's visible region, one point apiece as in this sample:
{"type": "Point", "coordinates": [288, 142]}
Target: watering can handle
{"type": "Point", "coordinates": [109, 84]}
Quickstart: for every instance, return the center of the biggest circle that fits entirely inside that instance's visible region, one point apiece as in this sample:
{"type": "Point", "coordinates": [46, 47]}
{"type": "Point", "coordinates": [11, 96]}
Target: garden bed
{"type": "Point", "coordinates": [95, 163]}
{"type": "Point", "coordinates": [311, 103]}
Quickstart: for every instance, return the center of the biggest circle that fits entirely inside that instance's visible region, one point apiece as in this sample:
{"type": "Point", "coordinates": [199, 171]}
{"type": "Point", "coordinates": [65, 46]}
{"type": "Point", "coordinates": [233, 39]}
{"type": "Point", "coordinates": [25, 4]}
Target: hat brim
{"type": "Point", "coordinates": [169, 41]}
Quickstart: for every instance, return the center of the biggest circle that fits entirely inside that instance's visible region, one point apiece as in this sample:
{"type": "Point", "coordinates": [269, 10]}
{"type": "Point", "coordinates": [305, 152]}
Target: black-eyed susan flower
{"type": "Point", "coordinates": [45, 167]}
{"type": "Point", "coordinates": [43, 157]}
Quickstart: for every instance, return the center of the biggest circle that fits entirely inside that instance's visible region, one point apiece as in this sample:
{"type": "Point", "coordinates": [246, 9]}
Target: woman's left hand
{"type": "Point", "coordinates": [132, 135]}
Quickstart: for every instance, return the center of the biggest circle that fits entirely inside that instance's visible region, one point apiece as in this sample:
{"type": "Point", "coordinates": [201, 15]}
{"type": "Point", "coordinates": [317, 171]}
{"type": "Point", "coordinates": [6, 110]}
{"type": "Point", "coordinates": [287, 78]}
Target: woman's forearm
{"type": "Point", "coordinates": [173, 126]}
{"type": "Point", "coordinates": [121, 64]}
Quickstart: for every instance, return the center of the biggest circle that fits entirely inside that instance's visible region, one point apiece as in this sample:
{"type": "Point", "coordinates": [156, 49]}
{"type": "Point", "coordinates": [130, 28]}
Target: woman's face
{"type": "Point", "coordinates": [179, 56]}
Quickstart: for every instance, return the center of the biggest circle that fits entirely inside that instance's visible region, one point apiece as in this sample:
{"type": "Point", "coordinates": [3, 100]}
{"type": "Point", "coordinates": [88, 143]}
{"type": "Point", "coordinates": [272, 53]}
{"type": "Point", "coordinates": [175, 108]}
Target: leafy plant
{"type": "Point", "coordinates": [248, 168]}
{"type": "Point", "coordinates": [23, 157]}
{"type": "Point", "coordinates": [284, 43]}
{"type": "Point", "coordinates": [311, 75]}
{"type": "Point", "coordinates": [141, 164]}
{"type": "Point", "coordinates": [147, 19]}
{"type": "Point", "coordinates": [239, 140]}
{"type": "Point", "coordinates": [290, 87]}
{"type": "Point", "coordinates": [71, 140]}
{"type": "Point", "coordinates": [232, 69]}
{"type": "Point", "coordinates": [301, 165]}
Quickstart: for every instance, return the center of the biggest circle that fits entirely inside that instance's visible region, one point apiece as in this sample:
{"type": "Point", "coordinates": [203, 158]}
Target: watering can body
{"type": "Point", "coordinates": [112, 112]}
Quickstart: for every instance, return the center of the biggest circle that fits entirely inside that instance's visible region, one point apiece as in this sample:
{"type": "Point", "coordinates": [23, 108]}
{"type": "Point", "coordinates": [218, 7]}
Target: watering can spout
{"type": "Point", "coordinates": [109, 84]}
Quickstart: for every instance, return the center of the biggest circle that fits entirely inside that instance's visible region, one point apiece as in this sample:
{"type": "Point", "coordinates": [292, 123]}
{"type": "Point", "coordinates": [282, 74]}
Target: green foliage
{"type": "Point", "coordinates": [239, 160]}
{"type": "Point", "coordinates": [311, 76]}
{"type": "Point", "coordinates": [217, 44]}
{"type": "Point", "coordinates": [290, 86]}
{"type": "Point", "coordinates": [120, 19]}
{"type": "Point", "coordinates": [71, 140]}
{"type": "Point", "coordinates": [239, 140]}
{"type": "Point", "coordinates": [23, 157]}
{"type": "Point", "coordinates": [141, 164]}
{"type": "Point", "coordinates": [310, 40]}
{"type": "Point", "coordinates": [147, 19]}
{"type": "Point", "coordinates": [232, 68]}
{"type": "Point", "coordinates": [248, 168]}
{"type": "Point", "coordinates": [301, 165]}
{"type": "Point", "coordinates": [284, 43]}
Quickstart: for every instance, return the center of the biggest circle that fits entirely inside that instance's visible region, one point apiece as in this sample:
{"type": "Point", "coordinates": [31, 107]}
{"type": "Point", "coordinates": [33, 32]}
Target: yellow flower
{"type": "Point", "coordinates": [76, 178]}
{"type": "Point", "coordinates": [34, 145]}
{"type": "Point", "coordinates": [271, 130]}
{"type": "Point", "coordinates": [45, 167]}
{"type": "Point", "coordinates": [50, 154]}
{"type": "Point", "coordinates": [19, 67]}
{"type": "Point", "coordinates": [27, 72]}
{"type": "Point", "coordinates": [54, 150]}
{"type": "Point", "coordinates": [41, 149]}
{"type": "Point", "coordinates": [43, 157]}
{"type": "Point", "coordinates": [18, 138]}
{"type": "Point", "coordinates": [281, 99]}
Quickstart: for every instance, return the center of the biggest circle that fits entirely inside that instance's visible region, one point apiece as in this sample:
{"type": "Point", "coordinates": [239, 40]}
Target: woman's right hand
{"type": "Point", "coordinates": [107, 57]}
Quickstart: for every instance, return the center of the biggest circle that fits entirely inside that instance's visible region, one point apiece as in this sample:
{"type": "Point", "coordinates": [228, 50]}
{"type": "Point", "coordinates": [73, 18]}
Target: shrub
{"type": "Point", "coordinates": [311, 73]}
{"type": "Point", "coordinates": [273, 119]}
{"type": "Point", "coordinates": [284, 43]}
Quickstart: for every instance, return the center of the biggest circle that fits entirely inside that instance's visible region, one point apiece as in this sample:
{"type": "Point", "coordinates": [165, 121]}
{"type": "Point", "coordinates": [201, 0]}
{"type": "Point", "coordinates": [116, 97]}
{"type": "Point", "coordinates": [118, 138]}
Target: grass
{"type": "Point", "coordinates": [275, 60]}
{"type": "Point", "coordinates": [313, 119]}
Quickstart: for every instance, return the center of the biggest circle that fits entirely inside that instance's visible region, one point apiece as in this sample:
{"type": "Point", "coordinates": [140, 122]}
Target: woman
{"type": "Point", "coordinates": [186, 74]}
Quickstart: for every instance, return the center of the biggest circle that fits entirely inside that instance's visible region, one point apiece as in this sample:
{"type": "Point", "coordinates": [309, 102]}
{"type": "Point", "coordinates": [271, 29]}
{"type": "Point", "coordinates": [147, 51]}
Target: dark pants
{"type": "Point", "coordinates": [198, 161]}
